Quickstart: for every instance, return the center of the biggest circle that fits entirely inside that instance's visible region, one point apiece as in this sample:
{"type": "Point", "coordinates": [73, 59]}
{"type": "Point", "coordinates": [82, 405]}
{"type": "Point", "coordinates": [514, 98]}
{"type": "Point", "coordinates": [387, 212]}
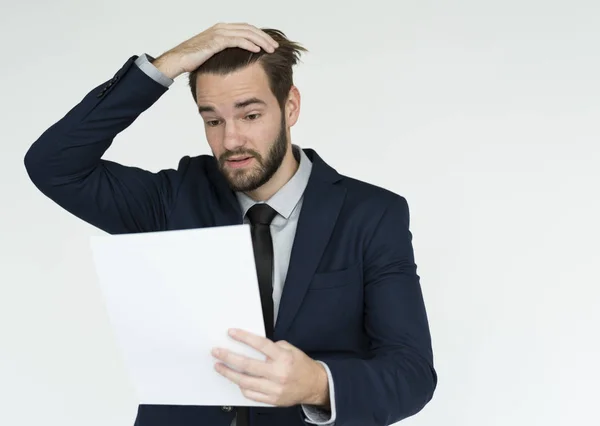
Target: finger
{"type": "Point", "coordinates": [228, 373]}
{"type": "Point", "coordinates": [259, 397]}
{"type": "Point", "coordinates": [244, 44]}
{"type": "Point", "coordinates": [243, 363]}
{"type": "Point", "coordinates": [246, 34]}
{"type": "Point", "coordinates": [264, 35]}
{"type": "Point", "coordinates": [285, 345]}
{"type": "Point", "coordinates": [261, 344]}
{"type": "Point", "coordinates": [246, 382]}
{"type": "Point", "coordinates": [258, 39]}
{"type": "Point", "coordinates": [257, 31]}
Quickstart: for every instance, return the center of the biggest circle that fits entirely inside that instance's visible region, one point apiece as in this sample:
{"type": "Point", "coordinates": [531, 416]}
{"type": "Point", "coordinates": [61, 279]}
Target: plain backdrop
{"type": "Point", "coordinates": [485, 115]}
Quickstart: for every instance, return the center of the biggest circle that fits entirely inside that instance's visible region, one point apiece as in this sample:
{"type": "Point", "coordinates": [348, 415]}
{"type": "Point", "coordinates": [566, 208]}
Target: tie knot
{"type": "Point", "coordinates": [261, 214]}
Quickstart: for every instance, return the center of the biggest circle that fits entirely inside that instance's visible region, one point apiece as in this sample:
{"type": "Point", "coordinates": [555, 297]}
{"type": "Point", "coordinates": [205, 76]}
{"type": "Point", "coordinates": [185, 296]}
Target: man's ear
{"type": "Point", "coordinates": [292, 106]}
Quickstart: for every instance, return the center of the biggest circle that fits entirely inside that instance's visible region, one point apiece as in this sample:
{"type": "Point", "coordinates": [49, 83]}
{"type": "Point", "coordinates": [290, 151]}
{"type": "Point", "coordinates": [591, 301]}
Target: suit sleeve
{"type": "Point", "coordinates": [398, 378]}
{"type": "Point", "coordinates": [65, 163]}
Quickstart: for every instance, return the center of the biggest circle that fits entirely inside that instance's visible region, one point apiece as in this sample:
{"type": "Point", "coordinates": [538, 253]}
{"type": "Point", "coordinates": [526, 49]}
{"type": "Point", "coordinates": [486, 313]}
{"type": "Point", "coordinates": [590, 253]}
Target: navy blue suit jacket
{"type": "Point", "coordinates": [352, 297]}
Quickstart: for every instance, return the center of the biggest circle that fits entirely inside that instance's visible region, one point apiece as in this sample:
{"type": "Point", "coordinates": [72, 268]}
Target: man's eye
{"type": "Point", "coordinates": [212, 122]}
{"type": "Point", "coordinates": [252, 116]}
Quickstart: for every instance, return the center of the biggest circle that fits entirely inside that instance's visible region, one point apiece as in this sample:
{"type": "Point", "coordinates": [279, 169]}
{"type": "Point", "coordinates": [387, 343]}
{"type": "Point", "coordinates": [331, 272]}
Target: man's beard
{"type": "Point", "coordinates": [253, 178]}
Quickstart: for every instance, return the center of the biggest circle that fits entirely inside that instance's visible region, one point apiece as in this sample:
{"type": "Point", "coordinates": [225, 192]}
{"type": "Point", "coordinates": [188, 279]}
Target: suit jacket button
{"type": "Point", "coordinates": [226, 409]}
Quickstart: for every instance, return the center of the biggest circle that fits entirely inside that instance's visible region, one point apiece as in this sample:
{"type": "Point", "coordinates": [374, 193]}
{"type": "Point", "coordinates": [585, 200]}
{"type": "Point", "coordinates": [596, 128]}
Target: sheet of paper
{"type": "Point", "coordinates": [171, 297]}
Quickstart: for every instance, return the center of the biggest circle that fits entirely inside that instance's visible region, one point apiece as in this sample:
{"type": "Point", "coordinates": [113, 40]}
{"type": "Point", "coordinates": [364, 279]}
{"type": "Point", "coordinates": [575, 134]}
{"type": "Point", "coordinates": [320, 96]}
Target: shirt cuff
{"type": "Point", "coordinates": [143, 62]}
{"type": "Point", "coordinates": [317, 415]}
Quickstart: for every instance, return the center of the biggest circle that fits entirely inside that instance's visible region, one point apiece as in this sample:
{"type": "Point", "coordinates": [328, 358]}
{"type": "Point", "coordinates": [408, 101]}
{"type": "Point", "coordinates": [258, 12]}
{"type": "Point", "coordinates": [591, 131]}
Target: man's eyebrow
{"type": "Point", "coordinates": [238, 105]}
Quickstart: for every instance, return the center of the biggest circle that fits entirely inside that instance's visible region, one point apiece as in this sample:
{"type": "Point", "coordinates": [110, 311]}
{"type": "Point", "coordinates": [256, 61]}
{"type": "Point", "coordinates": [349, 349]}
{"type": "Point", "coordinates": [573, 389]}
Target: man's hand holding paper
{"type": "Point", "coordinates": [287, 377]}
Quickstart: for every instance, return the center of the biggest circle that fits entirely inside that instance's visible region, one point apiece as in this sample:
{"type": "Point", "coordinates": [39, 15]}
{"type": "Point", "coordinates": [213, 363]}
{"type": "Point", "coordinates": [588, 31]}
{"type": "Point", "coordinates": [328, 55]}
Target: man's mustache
{"type": "Point", "coordinates": [231, 154]}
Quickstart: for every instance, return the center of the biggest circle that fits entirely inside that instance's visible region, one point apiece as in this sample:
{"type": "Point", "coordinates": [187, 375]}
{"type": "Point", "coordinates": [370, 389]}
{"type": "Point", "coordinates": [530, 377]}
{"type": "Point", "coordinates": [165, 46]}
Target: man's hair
{"type": "Point", "coordinates": [277, 65]}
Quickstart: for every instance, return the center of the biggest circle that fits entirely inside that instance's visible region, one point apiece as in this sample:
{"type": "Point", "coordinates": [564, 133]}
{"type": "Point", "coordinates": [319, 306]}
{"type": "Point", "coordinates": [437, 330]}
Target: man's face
{"type": "Point", "coordinates": [245, 127]}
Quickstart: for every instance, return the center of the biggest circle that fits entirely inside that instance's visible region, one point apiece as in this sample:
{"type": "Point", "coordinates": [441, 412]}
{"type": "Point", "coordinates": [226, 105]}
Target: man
{"type": "Point", "coordinates": [351, 342]}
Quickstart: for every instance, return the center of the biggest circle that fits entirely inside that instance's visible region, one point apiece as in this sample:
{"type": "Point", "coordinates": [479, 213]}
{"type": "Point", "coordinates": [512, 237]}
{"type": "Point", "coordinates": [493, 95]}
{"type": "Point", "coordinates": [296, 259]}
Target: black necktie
{"type": "Point", "coordinates": [260, 216]}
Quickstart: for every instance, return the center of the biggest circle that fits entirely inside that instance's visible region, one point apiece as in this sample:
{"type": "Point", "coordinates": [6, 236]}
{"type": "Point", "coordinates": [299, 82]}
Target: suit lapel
{"type": "Point", "coordinates": [320, 209]}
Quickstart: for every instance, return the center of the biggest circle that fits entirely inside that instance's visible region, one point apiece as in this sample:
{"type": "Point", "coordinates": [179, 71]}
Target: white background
{"type": "Point", "coordinates": [484, 114]}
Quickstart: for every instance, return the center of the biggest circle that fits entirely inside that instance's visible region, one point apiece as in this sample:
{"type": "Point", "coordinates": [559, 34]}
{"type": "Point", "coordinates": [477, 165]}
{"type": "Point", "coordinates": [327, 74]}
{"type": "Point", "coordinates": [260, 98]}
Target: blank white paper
{"type": "Point", "coordinates": [171, 297]}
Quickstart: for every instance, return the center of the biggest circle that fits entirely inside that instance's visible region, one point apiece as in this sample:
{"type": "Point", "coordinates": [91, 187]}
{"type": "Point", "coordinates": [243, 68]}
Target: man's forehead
{"type": "Point", "coordinates": [234, 90]}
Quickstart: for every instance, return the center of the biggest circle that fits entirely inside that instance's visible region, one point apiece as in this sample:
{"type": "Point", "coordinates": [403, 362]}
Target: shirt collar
{"type": "Point", "coordinates": [285, 200]}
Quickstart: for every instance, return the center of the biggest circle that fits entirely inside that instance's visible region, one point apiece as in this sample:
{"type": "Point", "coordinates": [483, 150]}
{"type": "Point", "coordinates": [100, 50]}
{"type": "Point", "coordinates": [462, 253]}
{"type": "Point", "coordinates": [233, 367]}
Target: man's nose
{"type": "Point", "coordinates": [233, 140]}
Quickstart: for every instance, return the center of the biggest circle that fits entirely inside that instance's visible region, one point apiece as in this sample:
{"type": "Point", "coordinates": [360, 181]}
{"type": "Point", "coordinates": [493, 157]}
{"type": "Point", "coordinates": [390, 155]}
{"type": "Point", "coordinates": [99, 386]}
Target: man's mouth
{"type": "Point", "coordinates": [239, 161]}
